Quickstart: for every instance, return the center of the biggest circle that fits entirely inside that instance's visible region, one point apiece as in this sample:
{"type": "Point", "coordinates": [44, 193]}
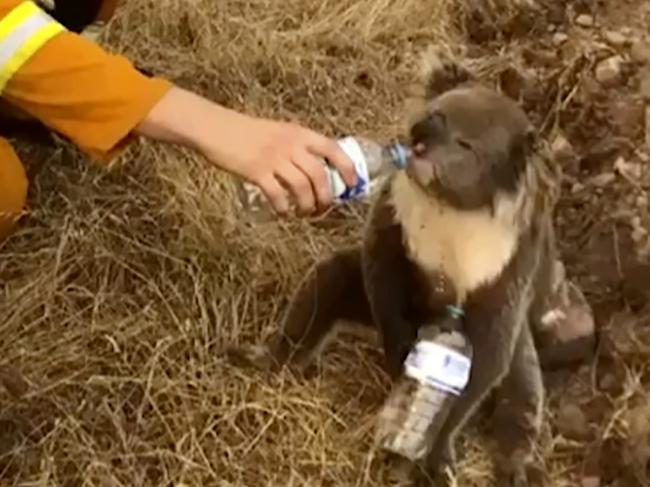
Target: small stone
{"type": "Point", "coordinates": [609, 71]}
{"type": "Point", "coordinates": [556, 12]}
{"type": "Point", "coordinates": [638, 420]}
{"type": "Point", "coordinates": [609, 382]}
{"type": "Point", "coordinates": [614, 38]}
{"type": "Point", "coordinates": [638, 234]}
{"type": "Point", "coordinates": [603, 179]}
{"type": "Point", "coordinates": [562, 148]}
{"type": "Point", "coordinates": [590, 482]}
{"type": "Point", "coordinates": [560, 38]}
{"type": "Point", "coordinates": [635, 221]}
{"type": "Point", "coordinates": [576, 188]}
{"type": "Point", "coordinates": [625, 115]}
{"type": "Point", "coordinates": [572, 422]}
{"type": "Point", "coordinates": [630, 170]}
{"type": "Point", "coordinates": [640, 52]}
{"type": "Point", "coordinates": [642, 201]}
{"type": "Point", "coordinates": [585, 20]}
{"type": "Point", "coordinates": [644, 85]}
{"type": "Point", "coordinates": [647, 126]}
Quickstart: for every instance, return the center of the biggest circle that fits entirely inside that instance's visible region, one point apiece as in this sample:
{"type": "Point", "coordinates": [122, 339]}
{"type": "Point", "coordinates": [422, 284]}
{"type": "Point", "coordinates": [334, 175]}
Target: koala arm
{"type": "Point", "coordinates": [494, 329]}
{"type": "Point", "coordinates": [386, 282]}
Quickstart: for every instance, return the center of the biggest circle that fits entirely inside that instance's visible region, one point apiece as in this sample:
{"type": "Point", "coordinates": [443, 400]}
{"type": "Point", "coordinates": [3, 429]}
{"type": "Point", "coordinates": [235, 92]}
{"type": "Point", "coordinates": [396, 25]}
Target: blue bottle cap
{"type": "Point", "coordinates": [400, 155]}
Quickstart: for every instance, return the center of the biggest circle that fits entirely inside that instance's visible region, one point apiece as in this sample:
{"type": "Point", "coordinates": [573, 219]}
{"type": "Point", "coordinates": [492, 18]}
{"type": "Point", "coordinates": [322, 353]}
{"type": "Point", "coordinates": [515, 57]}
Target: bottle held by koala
{"type": "Point", "coordinates": [436, 372]}
{"type": "Point", "coordinates": [371, 161]}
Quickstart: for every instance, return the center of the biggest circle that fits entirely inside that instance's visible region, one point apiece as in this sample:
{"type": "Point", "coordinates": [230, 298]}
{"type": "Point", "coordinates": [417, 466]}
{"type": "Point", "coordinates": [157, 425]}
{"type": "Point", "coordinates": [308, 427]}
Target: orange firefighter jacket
{"type": "Point", "coordinates": [70, 84]}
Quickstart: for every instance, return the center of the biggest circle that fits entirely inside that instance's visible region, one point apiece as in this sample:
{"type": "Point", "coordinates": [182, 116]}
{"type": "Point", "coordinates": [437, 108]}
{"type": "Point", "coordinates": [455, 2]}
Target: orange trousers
{"type": "Point", "coordinates": [13, 188]}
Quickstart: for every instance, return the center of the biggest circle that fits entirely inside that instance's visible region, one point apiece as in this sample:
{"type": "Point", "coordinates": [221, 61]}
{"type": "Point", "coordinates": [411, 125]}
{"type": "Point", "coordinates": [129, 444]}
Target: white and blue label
{"type": "Point", "coordinates": [438, 366]}
{"type": "Point", "coordinates": [340, 190]}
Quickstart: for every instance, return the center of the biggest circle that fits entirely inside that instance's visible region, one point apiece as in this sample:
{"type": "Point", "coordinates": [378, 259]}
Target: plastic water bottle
{"type": "Point", "coordinates": [371, 160]}
{"type": "Point", "coordinates": [436, 372]}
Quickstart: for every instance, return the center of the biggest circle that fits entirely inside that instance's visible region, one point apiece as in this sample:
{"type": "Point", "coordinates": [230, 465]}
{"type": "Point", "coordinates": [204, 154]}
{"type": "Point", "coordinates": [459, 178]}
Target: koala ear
{"type": "Point", "coordinates": [442, 72]}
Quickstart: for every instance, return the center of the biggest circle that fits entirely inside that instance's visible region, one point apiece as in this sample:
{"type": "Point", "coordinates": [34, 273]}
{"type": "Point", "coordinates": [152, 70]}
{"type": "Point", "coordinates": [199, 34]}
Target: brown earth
{"type": "Point", "coordinates": [121, 286]}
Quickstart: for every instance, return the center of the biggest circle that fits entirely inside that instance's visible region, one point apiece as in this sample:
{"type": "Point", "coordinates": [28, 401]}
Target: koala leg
{"type": "Point", "coordinates": [518, 415]}
{"type": "Point", "coordinates": [564, 323]}
{"type": "Point", "coordinates": [493, 341]}
{"type": "Point", "coordinates": [332, 290]}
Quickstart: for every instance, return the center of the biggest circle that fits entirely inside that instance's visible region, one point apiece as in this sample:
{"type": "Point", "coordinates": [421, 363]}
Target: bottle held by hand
{"type": "Point", "coordinates": [371, 161]}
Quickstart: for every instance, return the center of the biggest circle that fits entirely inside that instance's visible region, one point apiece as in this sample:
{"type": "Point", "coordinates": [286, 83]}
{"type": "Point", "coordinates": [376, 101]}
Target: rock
{"type": "Point", "coordinates": [585, 20]}
{"type": "Point", "coordinates": [556, 12]}
{"type": "Point", "coordinates": [644, 254]}
{"type": "Point", "coordinates": [560, 38]}
{"type": "Point", "coordinates": [628, 170]}
{"type": "Point", "coordinates": [637, 421]}
{"type": "Point", "coordinates": [609, 382]}
{"type": "Point", "coordinates": [642, 201]}
{"type": "Point", "coordinates": [602, 180]}
{"type": "Point", "coordinates": [590, 482]}
{"type": "Point", "coordinates": [625, 115]}
{"type": "Point", "coordinates": [562, 148]}
{"type": "Point", "coordinates": [577, 187]}
{"type": "Point", "coordinates": [602, 153]}
{"type": "Point", "coordinates": [572, 422]}
{"type": "Point", "coordinates": [540, 57]}
{"type": "Point", "coordinates": [609, 71]}
{"type": "Point", "coordinates": [639, 234]}
{"type": "Point", "coordinates": [647, 126]}
{"type": "Point", "coordinates": [614, 38]}
{"type": "Point", "coordinates": [644, 85]}
{"type": "Point", "coordinates": [640, 52]}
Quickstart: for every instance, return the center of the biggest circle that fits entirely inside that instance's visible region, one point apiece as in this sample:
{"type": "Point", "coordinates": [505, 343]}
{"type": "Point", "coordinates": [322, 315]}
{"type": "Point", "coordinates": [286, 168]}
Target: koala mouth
{"type": "Point", "coordinates": [421, 168]}
{"type": "Point", "coordinates": [419, 149]}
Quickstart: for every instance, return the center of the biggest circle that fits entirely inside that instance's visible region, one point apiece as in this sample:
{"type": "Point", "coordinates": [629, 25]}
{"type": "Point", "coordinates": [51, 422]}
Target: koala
{"type": "Point", "coordinates": [468, 223]}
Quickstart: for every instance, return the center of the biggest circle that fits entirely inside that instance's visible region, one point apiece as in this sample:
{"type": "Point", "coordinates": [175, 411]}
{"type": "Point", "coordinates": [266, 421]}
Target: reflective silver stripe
{"type": "Point", "coordinates": [13, 41]}
{"type": "Point", "coordinates": [47, 4]}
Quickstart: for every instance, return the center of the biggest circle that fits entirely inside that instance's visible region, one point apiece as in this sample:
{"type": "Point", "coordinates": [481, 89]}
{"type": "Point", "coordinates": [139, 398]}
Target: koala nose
{"type": "Point", "coordinates": [427, 131]}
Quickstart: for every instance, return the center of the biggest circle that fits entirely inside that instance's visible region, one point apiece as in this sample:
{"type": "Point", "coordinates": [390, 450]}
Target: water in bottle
{"type": "Point", "coordinates": [371, 161]}
{"type": "Point", "coordinates": [436, 372]}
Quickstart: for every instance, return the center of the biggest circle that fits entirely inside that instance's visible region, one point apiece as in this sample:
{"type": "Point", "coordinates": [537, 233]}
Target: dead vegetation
{"type": "Point", "coordinates": [122, 286]}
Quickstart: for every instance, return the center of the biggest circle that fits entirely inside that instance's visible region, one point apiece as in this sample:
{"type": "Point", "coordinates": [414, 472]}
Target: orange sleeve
{"type": "Point", "coordinates": [79, 90]}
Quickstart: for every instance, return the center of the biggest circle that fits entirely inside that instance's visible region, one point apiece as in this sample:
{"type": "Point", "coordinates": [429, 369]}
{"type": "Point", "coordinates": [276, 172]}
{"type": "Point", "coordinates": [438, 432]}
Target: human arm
{"type": "Point", "coordinates": [267, 153]}
{"type": "Point", "coordinates": [99, 100]}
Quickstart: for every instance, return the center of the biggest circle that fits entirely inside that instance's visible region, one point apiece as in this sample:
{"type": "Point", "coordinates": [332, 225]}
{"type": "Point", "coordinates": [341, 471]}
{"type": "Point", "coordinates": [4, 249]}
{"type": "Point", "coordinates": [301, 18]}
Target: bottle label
{"type": "Point", "coordinates": [340, 191]}
{"type": "Point", "coordinates": [438, 366]}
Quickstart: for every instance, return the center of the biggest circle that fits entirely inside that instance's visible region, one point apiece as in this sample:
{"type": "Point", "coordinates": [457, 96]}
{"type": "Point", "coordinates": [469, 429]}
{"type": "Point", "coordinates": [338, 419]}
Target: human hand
{"type": "Point", "coordinates": [272, 155]}
{"type": "Point", "coordinates": [280, 156]}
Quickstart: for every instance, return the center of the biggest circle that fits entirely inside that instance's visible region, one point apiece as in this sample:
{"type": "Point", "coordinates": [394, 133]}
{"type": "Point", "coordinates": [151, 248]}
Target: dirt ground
{"type": "Point", "coordinates": [122, 286]}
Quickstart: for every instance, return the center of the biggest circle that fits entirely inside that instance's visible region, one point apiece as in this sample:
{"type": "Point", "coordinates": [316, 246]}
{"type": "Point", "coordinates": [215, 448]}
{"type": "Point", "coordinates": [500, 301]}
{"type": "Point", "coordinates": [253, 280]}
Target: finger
{"type": "Point", "coordinates": [276, 194]}
{"type": "Point", "coordinates": [298, 183]}
{"type": "Point", "coordinates": [316, 172]}
{"type": "Point", "coordinates": [329, 149]}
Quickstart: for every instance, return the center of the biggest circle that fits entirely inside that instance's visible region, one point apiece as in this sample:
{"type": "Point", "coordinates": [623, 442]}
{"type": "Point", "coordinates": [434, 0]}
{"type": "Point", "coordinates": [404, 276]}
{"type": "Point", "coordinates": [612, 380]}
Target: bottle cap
{"type": "Point", "coordinates": [399, 154]}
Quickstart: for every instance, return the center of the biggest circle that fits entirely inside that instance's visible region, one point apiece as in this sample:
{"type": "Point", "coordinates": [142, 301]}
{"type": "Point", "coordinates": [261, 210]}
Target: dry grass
{"type": "Point", "coordinates": [121, 287]}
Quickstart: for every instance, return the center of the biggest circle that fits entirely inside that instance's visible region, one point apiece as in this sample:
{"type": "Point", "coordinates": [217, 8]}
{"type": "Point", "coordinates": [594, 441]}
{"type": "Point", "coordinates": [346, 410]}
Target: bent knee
{"type": "Point", "coordinates": [13, 188]}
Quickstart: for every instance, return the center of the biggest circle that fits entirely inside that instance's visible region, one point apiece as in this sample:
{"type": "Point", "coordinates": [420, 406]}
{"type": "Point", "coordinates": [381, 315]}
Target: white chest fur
{"type": "Point", "coordinates": [471, 247]}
